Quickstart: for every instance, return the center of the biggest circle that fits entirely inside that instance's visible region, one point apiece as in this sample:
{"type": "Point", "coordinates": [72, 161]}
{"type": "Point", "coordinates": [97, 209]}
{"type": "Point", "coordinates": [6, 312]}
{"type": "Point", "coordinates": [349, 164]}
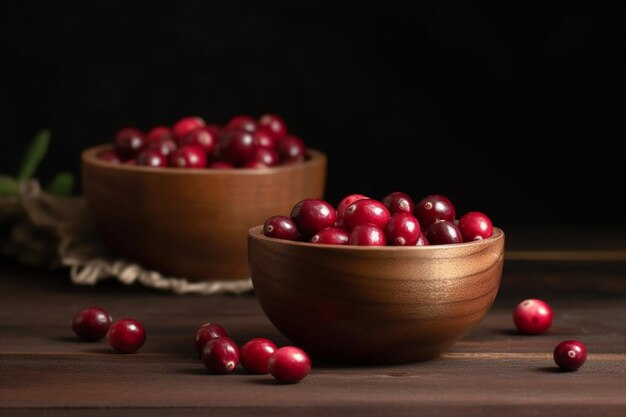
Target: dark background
{"type": "Point", "coordinates": [511, 108]}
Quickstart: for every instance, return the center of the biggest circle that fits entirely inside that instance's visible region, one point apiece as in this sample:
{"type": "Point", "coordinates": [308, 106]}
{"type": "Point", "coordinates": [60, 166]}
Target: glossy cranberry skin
{"type": "Point", "coordinates": [129, 142]}
{"type": "Point", "coordinates": [289, 364]}
{"type": "Point", "coordinates": [344, 203]}
{"type": "Point", "coordinates": [185, 125]}
{"type": "Point", "coordinates": [422, 241]}
{"type": "Point", "coordinates": [312, 215]}
{"type": "Point", "coordinates": [532, 316]}
{"type": "Point", "coordinates": [274, 125]}
{"type": "Point", "coordinates": [398, 202]}
{"type": "Point", "coordinates": [242, 122]}
{"type": "Point", "coordinates": [403, 229]}
{"type": "Point", "coordinates": [331, 236]}
{"type": "Point", "coordinates": [367, 235]}
{"type": "Point", "coordinates": [366, 211]}
{"type": "Point", "coordinates": [188, 157]}
{"type": "Point", "coordinates": [434, 207]}
{"type": "Point", "coordinates": [291, 149]}
{"type": "Point", "coordinates": [255, 355]}
{"type": "Point", "coordinates": [126, 335]}
{"type": "Point", "coordinates": [475, 225]}
{"type": "Point", "coordinates": [443, 232]}
{"type": "Point", "coordinates": [220, 355]}
{"type": "Point", "coordinates": [269, 157]}
{"type": "Point", "coordinates": [201, 137]}
{"type": "Point", "coordinates": [237, 147]}
{"type": "Point", "coordinates": [280, 227]}
{"type": "Point", "coordinates": [207, 332]}
{"type": "Point", "coordinates": [91, 324]}
{"type": "Point", "coordinates": [221, 165]}
{"type": "Point", "coordinates": [570, 355]}
{"type": "Point", "coordinates": [159, 133]}
{"type": "Point", "coordinates": [264, 139]}
{"type": "Point", "coordinates": [110, 156]}
{"type": "Point", "coordinates": [151, 158]}
{"type": "Point", "coordinates": [164, 146]}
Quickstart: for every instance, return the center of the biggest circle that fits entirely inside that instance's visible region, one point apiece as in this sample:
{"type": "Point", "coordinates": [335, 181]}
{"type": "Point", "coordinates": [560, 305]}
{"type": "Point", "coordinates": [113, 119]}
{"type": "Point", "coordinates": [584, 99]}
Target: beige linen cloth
{"type": "Point", "coordinates": [45, 230]}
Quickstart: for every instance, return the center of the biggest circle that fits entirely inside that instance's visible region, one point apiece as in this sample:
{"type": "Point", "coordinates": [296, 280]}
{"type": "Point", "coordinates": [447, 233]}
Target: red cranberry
{"type": "Point", "coordinates": [221, 355]}
{"type": "Point", "coordinates": [255, 355]}
{"type": "Point", "coordinates": [221, 165]}
{"type": "Point", "coordinates": [130, 162]}
{"type": "Point", "coordinates": [280, 227]}
{"type": "Point", "coordinates": [201, 137]}
{"type": "Point", "coordinates": [475, 226]}
{"type": "Point", "coordinates": [151, 158]}
{"type": "Point", "coordinates": [366, 211]}
{"type": "Point", "coordinates": [434, 207]}
{"type": "Point", "coordinates": [160, 133]}
{"type": "Point", "coordinates": [237, 147]}
{"type": "Point", "coordinates": [291, 149]}
{"type": "Point", "coordinates": [570, 355]}
{"type": "Point", "coordinates": [344, 203]}
{"type": "Point", "coordinates": [264, 139]}
{"type": "Point", "coordinates": [312, 215]}
{"type": "Point", "coordinates": [207, 332]}
{"type": "Point", "coordinates": [91, 324]}
{"type": "Point", "coordinates": [422, 241]}
{"type": "Point", "coordinates": [289, 364]}
{"type": "Point", "coordinates": [214, 129]}
{"type": "Point", "coordinates": [367, 235]}
{"type": "Point", "coordinates": [269, 157]}
{"type": "Point", "coordinates": [398, 202]}
{"type": "Point", "coordinates": [532, 316]}
{"type": "Point", "coordinates": [188, 157]}
{"type": "Point", "coordinates": [241, 122]}
{"type": "Point", "coordinates": [126, 335]}
{"type": "Point", "coordinates": [129, 142]}
{"type": "Point", "coordinates": [443, 232]}
{"type": "Point", "coordinates": [110, 156]}
{"type": "Point", "coordinates": [274, 125]}
{"type": "Point", "coordinates": [403, 229]}
{"type": "Point", "coordinates": [331, 236]}
{"type": "Point", "coordinates": [255, 165]}
{"type": "Point", "coordinates": [185, 125]}
{"type": "Point", "coordinates": [163, 146]}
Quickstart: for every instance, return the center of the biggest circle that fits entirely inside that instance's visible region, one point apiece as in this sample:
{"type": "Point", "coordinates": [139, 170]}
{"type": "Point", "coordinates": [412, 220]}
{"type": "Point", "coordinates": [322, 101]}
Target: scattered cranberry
{"type": "Point", "coordinates": [280, 227]}
{"type": "Point", "coordinates": [110, 156]}
{"type": "Point", "coordinates": [475, 226]}
{"type": "Point", "coordinates": [202, 137]}
{"type": "Point", "coordinates": [221, 165]}
{"type": "Point", "coordinates": [434, 207]}
{"type": "Point", "coordinates": [255, 355]}
{"type": "Point", "coordinates": [151, 158]}
{"type": "Point", "coordinates": [274, 125]}
{"type": "Point", "coordinates": [126, 335]}
{"type": "Point", "coordinates": [289, 364]}
{"type": "Point", "coordinates": [129, 142]}
{"type": "Point", "coordinates": [237, 147]}
{"type": "Point", "coordinates": [532, 316]}
{"type": "Point", "coordinates": [91, 324]}
{"type": "Point", "coordinates": [331, 236]}
{"type": "Point", "coordinates": [312, 215]}
{"type": "Point", "coordinates": [163, 146]}
{"type": "Point", "coordinates": [367, 235]}
{"type": "Point", "coordinates": [344, 203]}
{"type": "Point", "coordinates": [188, 157]}
{"type": "Point", "coordinates": [185, 125]}
{"type": "Point", "coordinates": [403, 229]}
{"type": "Point", "coordinates": [398, 202]}
{"type": "Point", "coordinates": [570, 355]}
{"type": "Point", "coordinates": [365, 211]}
{"type": "Point", "coordinates": [246, 123]}
{"type": "Point", "coordinates": [422, 241]}
{"type": "Point", "coordinates": [291, 149]}
{"type": "Point", "coordinates": [443, 232]}
{"type": "Point", "coordinates": [220, 355]}
{"type": "Point", "coordinates": [159, 133]}
{"type": "Point", "coordinates": [264, 139]}
{"type": "Point", "coordinates": [266, 156]}
{"type": "Point", "coordinates": [207, 332]}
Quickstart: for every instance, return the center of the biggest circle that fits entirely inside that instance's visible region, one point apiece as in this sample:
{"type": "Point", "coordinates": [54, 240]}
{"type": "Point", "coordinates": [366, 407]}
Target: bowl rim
{"type": "Point", "coordinates": [256, 232]}
{"type": "Point", "coordinates": [90, 156]}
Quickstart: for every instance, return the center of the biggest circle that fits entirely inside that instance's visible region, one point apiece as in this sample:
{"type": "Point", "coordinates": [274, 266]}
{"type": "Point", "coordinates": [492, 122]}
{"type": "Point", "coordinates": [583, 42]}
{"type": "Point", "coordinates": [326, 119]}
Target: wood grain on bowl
{"type": "Point", "coordinates": [375, 305]}
{"type": "Point", "coordinates": [191, 223]}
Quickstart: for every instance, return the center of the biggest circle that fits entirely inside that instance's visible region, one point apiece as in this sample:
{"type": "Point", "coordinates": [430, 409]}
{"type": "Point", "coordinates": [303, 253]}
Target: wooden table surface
{"type": "Point", "coordinates": [46, 370]}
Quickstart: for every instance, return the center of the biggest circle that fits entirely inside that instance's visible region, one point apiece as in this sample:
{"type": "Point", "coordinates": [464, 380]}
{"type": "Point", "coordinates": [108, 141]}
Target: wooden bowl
{"type": "Point", "coordinates": [191, 223]}
{"type": "Point", "coordinates": [375, 305]}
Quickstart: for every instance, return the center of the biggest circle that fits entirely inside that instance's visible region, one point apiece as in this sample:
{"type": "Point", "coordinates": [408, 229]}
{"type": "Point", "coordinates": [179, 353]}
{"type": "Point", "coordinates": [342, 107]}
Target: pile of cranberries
{"type": "Point", "coordinates": [244, 142]}
{"type": "Point", "coordinates": [124, 335]}
{"type": "Point", "coordinates": [394, 221]}
{"type": "Point", "coordinates": [221, 355]}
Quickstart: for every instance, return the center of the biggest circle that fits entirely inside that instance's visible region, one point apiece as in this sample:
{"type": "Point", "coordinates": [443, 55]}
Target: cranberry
{"type": "Point", "coordinates": [280, 227]}
{"type": "Point", "coordinates": [533, 316]}
{"type": "Point", "coordinates": [129, 142]}
{"type": "Point", "coordinates": [443, 232]}
{"type": "Point", "coordinates": [185, 125]}
{"type": "Point", "coordinates": [255, 165]}
{"type": "Point", "coordinates": [241, 122]}
{"type": "Point", "coordinates": [289, 364]}
{"type": "Point", "coordinates": [291, 149]}
{"type": "Point", "coordinates": [160, 133]}
{"type": "Point", "coordinates": [274, 125]}
{"type": "Point", "coordinates": [366, 211]}
{"type": "Point", "coordinates": [255, 355]}
{"type": "Point", "coordinates": [570, 355]}
{"type": "Point", "coordinates": [207, 332]}
{"type": "Point", "coordinates": [367, 235]}
{"type": "Point", "coordinates": [422, 241]}
{"type": "Point", "coordinates": [398, 202]}
{"type": "Point", "coordinates": [220, 355]}
{"type": "Point", "coordinates": [91, 324]}
{"type": "Point", "coordinates": [188, 157]}
{"type": "Point", "coordinates": [331, 236]}
{"type": "Point", "coordinates": [202, 137]}
{"type": "Point", "coordinates": [214, 129]}
{"type": "Point", "coordinates": [221, 165]}
{"type": "Point", "coordinates": [475, 226]}
{"type": "Point", "coordinates": [434, 207]}
{"type": "Point", "coordinates": [403, 229]}
{"type": "Point", "coordinates": [264, 139]}
{"type": "Point", "coordinates": [163, 146]}
{"type": "Point", "coordinates": [269, 157]}
{"type": "Point", "coordinates": [130, 162]}
{"type": "Point", "coordinates": [237, 147]}
{"type": "Point", "coordinates": [126, 335]}
{"type": "Point", "coordinates": [312, 215]}
{"type": "Point", "coordinates": [151, 158]}
{"type": "Point", "coordinates": [110, 156]}
{"type": "Point", "coordinates": [345, 202]}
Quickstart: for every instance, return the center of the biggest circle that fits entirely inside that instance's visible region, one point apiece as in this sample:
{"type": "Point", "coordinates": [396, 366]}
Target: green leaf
{"type": "Point", "coordinates": [8, 186]}
{"type": "Point", "coordinates": [34, 154]}
{"type": "Point", "coordinates": [62, 184]}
